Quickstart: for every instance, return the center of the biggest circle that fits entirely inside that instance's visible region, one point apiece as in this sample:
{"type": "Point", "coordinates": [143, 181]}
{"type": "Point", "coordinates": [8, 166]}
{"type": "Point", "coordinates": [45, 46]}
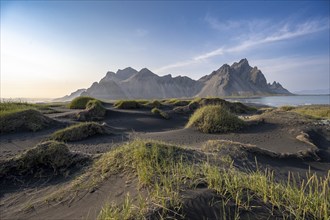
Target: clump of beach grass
{"type": "Point", "coordinates": [127, 104]}
{"type": "Point", "coordinates": [163, 114]}
{"type": "Point", "coordinates": [78, 132]}
{"type": "Point", "coordinates": [49, 156]}
{"type": "Point", "coordinates": [160, 167]}
{"type": "Point", "coordinates": [153, 104]}
{"type": "Point", "coordinates": [94, 111]}
{"type": "Point", "coordinates": [215, 119]}
{"type": "Point", "coordinates": [177, 102]}
{"type": "Point", "coordinates": [23, 120]}
{"type": "Point", "coordinates": [80, 102]}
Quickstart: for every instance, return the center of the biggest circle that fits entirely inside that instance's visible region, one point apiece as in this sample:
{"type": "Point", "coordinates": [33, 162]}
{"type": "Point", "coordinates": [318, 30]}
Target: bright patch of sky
{"type": "Point", "coordinates": [49, 49]}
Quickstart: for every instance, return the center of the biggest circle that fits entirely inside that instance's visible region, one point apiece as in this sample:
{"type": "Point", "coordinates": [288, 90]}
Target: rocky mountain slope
{"type": "Point", "coordinates": [235, 80]}
{"type": "Point", "coordinates": [71, 96]}
{"type": "Point", "coordinates": [239, 79]}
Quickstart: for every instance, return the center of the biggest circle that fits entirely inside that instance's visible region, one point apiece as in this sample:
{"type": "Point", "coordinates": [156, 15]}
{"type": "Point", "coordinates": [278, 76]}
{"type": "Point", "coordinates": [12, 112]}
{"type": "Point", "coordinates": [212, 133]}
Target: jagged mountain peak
{"type": "Point", "coordinates": [236, 79]}
{"type": "Point", "coordinates": [125, 73]}
{"type": "Point", "coordinates": [143, 73]}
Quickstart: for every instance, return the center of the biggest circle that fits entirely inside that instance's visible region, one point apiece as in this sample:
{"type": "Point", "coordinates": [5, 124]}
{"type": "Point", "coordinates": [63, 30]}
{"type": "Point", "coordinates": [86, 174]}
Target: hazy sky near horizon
{"type": "Point", "coordinates": [50, 49]}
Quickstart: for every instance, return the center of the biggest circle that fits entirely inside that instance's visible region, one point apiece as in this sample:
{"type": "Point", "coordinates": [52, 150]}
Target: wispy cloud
{"type": "Point", "coordinates": [141, 32]}
{"type": "Point", "coordinates": [275, 33]}
{"type": "Point", "coordinates": [217, 25]}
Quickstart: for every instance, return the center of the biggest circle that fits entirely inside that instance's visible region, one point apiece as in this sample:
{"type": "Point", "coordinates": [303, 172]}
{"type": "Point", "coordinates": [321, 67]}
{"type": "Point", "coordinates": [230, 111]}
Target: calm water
{"type": "Point", "coordinates": [289, 100]}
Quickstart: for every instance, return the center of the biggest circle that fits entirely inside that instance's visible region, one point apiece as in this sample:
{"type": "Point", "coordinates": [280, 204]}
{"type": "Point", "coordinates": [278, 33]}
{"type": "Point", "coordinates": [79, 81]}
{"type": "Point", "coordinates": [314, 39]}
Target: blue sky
{"type": "Point", "coordinates": [49, 49]}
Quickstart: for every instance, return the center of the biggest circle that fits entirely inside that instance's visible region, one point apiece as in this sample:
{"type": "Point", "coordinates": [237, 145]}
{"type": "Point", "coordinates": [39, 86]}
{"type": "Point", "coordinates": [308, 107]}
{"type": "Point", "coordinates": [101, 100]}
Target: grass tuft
{"type": "Point", "coordinates": [157, 111]}
{"type": "Point", "coordinates": [23, 120]}
{"type": "Point", "coordinates": [127, 104]}
{"type": "Point", "coordinates": [78, 132]}
{"type": "Point", "coordinates": [80, 102]}
{"type": "Point", "coordinates": [215, 119]}
{"type": "Point", "coordinates": [50, 156]}
{"type": "Point", "coordinates": [94, 111]}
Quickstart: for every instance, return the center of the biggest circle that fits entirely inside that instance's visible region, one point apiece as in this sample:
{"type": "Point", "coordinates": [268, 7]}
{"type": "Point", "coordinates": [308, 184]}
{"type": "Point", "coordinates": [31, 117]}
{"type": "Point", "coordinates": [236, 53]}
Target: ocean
{"type": "Point", "coordinates": [296, 100]}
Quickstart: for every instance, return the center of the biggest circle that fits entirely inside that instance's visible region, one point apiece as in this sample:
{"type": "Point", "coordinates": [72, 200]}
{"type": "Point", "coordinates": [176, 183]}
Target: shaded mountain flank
{"type": "Point", "coordinates": [71, 96]}
{"type": "Point", "coordinates": [239, 79]}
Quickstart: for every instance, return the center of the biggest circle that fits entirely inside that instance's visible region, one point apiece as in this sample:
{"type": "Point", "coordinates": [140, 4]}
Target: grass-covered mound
{"type": "Point", "coordinates": [94, 111]}
{"type": "Point", "coordinates": [24, 120]}
{"type": "Point", "coordinates": [80, 102]}
{"type": "Point", "coordinates": [79, 132]}
{"type": "Point", "coordinates": [177, 102]}
{"type": "Point", "coordinates": [153, 104]}
{"type": "Point", "coordinates": [127, 104]}
{"type": "Point", "coordinates": [46, 159]}
{"type": "Point", "coordinates": [163, 114]}
{"type": "Point", "coordinates": [234, 107]}
{"type": "Point", "coordinates": [215, 119]}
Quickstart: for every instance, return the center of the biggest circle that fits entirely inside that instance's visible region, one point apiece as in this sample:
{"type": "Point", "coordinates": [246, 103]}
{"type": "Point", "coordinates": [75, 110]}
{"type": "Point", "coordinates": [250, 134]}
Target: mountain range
{"type": "Point", "coordinates": [239, 79]}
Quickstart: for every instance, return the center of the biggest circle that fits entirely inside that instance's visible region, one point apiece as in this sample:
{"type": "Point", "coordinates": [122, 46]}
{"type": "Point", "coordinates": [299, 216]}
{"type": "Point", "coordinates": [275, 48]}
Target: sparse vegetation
{"type": "Point", "coordinates": [23, 120]}
{"type": "Point", "coordinates": [161, 113]}
{"type": "Point", "coordinates": [50, 156]}
{"type": "Point", "coordinates": [12, 107]}
{"type": "Point", "coordinates": [287, 108]}
{"type": "Point", "coordinates": [167, 170]}
{"type": "Point", "coordinates": [177, 102]}
{"type": "Point", "coordinates": [80, 102]}
{"type": "Point", "coordinates": [79, 132]}
{"type": "Point", "coordinates": [318, 111]}
{"type": "Point", "coordinates": [153, 104]}
{"type": "Point", "coordinates": [214, 119]}
{"type": "Point", "coordinates": [162, 168]}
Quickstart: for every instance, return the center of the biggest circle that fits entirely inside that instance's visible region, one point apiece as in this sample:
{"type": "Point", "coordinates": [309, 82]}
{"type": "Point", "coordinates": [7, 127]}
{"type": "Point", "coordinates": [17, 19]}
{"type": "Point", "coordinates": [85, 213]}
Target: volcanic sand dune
{"type": "Point", "coordinates": [143, 120]}
{"type": "Point", "coordinates": [276, 133]}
